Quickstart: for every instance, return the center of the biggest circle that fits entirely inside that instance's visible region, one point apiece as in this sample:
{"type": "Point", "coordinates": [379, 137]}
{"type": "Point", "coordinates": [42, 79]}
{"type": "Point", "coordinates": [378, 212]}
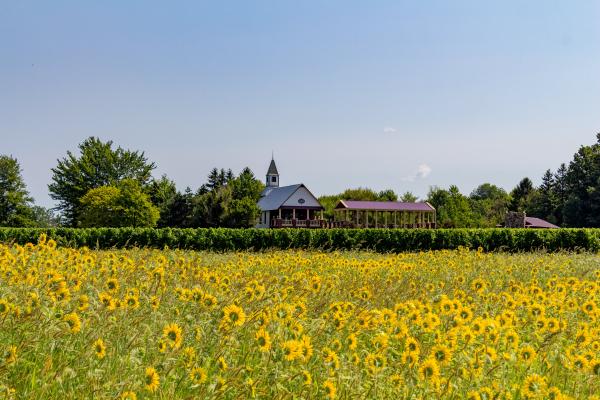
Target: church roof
{"type": "Point", "coordinates": [273, 197]}
{"type": "Point", "coordinates": [272, 168]}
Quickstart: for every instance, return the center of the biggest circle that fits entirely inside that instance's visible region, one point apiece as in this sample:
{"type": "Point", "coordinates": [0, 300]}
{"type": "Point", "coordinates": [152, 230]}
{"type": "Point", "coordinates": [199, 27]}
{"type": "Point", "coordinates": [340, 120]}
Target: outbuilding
{"type": "Point", "coordinates": [384, 214]}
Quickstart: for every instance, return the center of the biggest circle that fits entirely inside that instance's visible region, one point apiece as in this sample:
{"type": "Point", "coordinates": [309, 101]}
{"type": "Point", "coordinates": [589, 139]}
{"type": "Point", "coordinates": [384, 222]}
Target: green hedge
{"type": "Point", "coordinates": [380, 240]}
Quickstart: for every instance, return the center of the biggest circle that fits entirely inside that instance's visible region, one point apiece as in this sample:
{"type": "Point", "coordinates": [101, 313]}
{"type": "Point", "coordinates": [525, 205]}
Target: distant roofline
{"type": "Point", "coordinates": [386, 205]}
{"type": "Point", "coordinates": [535, 222]}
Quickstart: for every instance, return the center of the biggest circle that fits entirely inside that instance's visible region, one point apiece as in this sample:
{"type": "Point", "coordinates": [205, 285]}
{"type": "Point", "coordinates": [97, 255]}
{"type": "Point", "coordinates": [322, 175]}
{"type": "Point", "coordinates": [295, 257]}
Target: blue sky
{"type": "Point", "coordinates": [385, 94]}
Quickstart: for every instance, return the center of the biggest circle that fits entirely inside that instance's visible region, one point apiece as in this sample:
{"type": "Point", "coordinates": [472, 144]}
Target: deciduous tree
{"type": "Point", "coordinates": [124, 205]}
{"type": "Point", "coordinates": [96, 165]}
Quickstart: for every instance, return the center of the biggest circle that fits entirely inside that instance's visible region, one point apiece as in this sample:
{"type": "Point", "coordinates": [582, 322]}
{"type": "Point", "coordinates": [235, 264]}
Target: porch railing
{"type": "Point", "coordinates": [297, 223]}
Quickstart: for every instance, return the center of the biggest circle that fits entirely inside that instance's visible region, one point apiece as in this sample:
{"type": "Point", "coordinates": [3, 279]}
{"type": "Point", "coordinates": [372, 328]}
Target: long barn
{"type": "Point", "coordinates": [384, 214]}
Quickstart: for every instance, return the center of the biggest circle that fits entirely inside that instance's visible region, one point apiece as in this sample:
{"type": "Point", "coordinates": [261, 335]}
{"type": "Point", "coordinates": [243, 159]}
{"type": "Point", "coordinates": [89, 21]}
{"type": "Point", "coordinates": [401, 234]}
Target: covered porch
{"type": "Point", "coordinates": [296, 217]}
{"type": "Point", "coordinates": [384, 214]}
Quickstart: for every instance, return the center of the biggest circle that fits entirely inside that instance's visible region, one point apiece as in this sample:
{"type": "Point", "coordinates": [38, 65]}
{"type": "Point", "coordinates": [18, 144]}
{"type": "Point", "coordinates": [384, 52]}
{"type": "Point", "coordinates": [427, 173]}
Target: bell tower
{"type": "Point", "coordinates": [272, 175]}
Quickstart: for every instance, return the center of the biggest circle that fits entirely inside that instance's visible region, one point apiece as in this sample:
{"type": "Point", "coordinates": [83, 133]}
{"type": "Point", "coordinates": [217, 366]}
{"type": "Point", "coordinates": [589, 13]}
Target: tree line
{"type": "Point", "coordinates": [104, 186]}
{"type": "Point", "coordinates": [568, 197]}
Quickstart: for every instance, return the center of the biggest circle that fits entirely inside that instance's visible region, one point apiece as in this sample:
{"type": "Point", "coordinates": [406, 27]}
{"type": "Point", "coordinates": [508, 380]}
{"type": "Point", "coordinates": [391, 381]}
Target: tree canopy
{"type": "Point", "coordinates": [227, 200]}
{"type": "Point", "coordinates": [582, 205]}
{"type": "Point", "coordinates": [453, 208]}
{"type": "Point", "coordinates": [15, 202]}
{"type": "Point", "coordinates": [124, 205]}
{"type": "Point", "coordinates": [96, 165]}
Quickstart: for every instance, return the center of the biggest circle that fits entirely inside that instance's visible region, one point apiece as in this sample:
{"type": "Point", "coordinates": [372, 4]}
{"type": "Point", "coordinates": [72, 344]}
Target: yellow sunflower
{"type": "Point", "coordinates": [129, 395]}
{"type": "Point", "coordinates": [263, 339]}
{"type": "Point", "coordinates": [233, 315]}
{"type": "Point", "coordinates": [99, 348]}
{"type": "Point", "coordinates": [291, 349]}
{"type": "Point", "coordinates": [306, 378]}
{"type": "Point", "coordinates": [73, 321]}
{"type": "Point", "coordinates": [534, 386]}
{"type": "Point", "coordinates": [330, 389]}
{"type": "Point", "coordinates": [198, 375]}
{"type": "Point", "coordinates": [527, 354]}
{"type": "Point", "coordinates": [429, 371]}
{"type": "Point", "coordinates": [172, 333]}
{"type": "Point", "coordinates": [152, 379]}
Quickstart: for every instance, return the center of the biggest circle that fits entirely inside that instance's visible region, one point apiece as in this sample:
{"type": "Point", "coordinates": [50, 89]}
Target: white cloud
{"type": "Point", "coordinates": [422, 172]}
{"type": "Point", "coordinates": [389, 129]}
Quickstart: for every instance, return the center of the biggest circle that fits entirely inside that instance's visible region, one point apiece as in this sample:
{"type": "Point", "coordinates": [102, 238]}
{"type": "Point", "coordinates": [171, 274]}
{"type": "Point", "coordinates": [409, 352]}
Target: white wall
{"type": "Point", "coordinates": [263, 220]}
{"type": "Point", "coordinates": [301, 193]}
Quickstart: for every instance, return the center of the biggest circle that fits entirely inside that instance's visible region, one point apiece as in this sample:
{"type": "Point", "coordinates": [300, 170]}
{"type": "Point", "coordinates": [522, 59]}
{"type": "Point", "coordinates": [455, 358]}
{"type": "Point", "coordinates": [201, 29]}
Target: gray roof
{"type": "Point", "coordinates": [273, 197]}
{"type": "Point", "coordinates": [272, 168]}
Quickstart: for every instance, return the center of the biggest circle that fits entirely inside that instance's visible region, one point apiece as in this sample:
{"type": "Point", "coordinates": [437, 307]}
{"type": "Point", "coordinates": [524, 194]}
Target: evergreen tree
{"type": "Point", "coordinates": [181, 211]}
{"type": "Point", "coordinates": [560, 192]}
{"type": "Point", "coordinates": [218, 178]}
{"type": "Point", "coordinates": [226, 200]}
{"type": "Point", "coordinates": [15, 202]}
{"type": "Point", "coordinates": [582, 206]}
{"type": "Point", "coordinates": [521, 195]}
{"type": "Point", "coordinates": [544, 203]}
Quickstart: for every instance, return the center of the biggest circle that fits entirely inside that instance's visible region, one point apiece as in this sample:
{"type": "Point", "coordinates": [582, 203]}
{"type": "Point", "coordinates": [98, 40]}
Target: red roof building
{"type": "Point", "coordinates": [532, 222]}
{"type": "Point", "coordinates": [384, 214]}
{"type": "Point", "coordinates": [515, 219]}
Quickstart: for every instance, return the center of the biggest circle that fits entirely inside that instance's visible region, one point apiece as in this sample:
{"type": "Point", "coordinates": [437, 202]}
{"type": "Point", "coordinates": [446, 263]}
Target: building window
{"type": "Point", "coordinates": [273, 179]}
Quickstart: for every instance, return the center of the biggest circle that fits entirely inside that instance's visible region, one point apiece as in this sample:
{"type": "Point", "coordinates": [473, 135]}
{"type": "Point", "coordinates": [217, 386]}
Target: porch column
{"type": "Point", "coordinates": [293, 213]}
{"type": "Point", "coordinates": [280, 213]}
{"type": "Point", "coordinates": [375, 218]}
{"type": "Point", "coordinates": [395, 218]}
{"type": "Point", "coordinates": [366, 218]}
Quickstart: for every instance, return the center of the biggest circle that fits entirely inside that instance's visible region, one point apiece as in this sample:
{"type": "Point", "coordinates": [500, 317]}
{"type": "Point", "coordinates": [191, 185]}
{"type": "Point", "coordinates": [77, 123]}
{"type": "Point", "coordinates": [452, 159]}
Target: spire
{"type": "Point", "coordinates": [272, 174]}
{"type": "Point", "coordinates": [272, 168]}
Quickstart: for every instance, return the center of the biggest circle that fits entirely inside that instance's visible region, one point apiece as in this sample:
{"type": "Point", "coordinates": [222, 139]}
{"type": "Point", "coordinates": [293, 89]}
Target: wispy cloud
{"type": "Point", "coordinates": [389, 129]}
{"type": "Point", "coordinates": [422, 172]}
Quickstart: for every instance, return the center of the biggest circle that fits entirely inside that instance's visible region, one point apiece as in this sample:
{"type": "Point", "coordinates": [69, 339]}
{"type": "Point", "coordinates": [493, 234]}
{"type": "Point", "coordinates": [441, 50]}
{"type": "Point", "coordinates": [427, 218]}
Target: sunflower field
{"type": "Point", "coordinates": [167, 324]}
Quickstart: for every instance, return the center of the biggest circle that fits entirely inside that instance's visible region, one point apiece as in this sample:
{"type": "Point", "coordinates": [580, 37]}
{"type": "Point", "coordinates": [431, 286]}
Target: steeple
{"type": "Point", "coordinates": [272, 175]}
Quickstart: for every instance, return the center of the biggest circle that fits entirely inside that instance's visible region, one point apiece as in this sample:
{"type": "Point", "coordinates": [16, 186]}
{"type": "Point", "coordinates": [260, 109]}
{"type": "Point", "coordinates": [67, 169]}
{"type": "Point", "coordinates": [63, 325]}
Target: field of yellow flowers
{"type": "Point", "coordinates": [462, 324]}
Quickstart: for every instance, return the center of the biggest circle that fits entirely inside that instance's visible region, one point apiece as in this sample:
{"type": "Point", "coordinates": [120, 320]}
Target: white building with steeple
{"type": "Point", "coordinates": [291, 206]}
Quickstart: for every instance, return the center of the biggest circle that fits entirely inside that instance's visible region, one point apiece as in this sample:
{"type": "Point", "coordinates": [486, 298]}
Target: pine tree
{"type": "Point", "coordinates": [15, 202]}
